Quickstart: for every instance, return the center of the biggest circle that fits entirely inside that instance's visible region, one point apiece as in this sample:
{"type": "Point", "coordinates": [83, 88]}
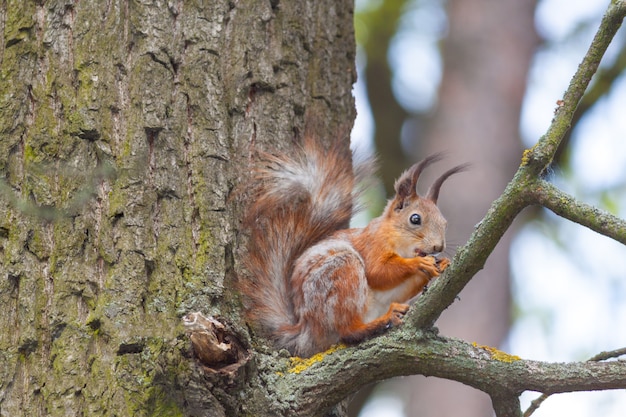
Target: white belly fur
{"type": "Point", "coordinates": [379, 301]}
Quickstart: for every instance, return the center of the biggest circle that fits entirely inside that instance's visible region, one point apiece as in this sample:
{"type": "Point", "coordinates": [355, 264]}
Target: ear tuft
{"type": "Point", "coordinates": [406, 184]}
{"type": "Point", "coordinates": [433, 191]}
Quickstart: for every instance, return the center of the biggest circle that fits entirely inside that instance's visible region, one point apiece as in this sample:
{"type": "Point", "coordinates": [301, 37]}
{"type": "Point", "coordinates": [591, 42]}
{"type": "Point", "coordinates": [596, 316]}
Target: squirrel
{"type": "Point", "coordinates": [315, 282]}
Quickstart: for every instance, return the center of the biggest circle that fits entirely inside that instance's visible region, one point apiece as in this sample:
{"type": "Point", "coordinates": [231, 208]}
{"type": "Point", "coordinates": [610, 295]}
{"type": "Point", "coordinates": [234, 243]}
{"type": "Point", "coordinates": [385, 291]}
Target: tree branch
{"type": "Point", "coordinates": [586, 215]}
{"type": "Point", "coordinates": [541, 155]}
{"type": "Point", "coordinates": [602, 356]}
{"type": "Point", "coordinates": [602, 83]}
{"type": "Point", "coordinates": [324, 382]}
{"type": "Point", "coordinates": [507, 406]}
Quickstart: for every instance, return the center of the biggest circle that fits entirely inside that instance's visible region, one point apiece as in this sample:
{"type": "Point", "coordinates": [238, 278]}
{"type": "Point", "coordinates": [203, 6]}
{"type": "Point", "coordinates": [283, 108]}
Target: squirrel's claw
{"type": "Point", "coordinates": [442, 264]}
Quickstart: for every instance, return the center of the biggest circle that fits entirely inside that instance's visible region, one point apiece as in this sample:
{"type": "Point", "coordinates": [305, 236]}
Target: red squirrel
{"type": "Point", "coordinates": [315, 282]}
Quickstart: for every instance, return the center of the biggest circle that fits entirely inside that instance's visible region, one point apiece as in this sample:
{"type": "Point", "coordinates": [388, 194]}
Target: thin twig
{"type": "Point", "coordinates": [602, 356]}
{"type": "Point", "coordinates": [566, 206]}
{"type": "Point", "coordinates": [602, 85]}
{"type": "Point", "coordinates": [541, 155]}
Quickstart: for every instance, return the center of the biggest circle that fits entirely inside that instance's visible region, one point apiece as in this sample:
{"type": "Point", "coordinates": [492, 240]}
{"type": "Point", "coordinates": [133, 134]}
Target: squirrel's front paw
{"type": "Point", "coordinates": [442, 264]}
{"type": "Point", "coordinates": [429, 265]}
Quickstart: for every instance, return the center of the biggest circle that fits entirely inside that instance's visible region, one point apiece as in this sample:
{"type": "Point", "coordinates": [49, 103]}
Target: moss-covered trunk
{"type": "Point", "coordinates": [124, 128]}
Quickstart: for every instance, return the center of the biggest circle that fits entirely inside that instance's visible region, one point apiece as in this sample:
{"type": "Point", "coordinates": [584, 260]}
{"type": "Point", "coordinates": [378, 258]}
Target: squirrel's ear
{"type": "Point", "coordinates": [406, 184]}
{"type": "Point", "coordinates": [403, 185]}
{"type": "Point", "coordinates": [433, 191]}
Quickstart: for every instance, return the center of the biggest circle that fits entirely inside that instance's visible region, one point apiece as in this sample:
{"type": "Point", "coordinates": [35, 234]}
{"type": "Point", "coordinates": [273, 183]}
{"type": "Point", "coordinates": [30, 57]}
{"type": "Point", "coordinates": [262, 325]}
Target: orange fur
{"type": "Point", "coordinates": [313, 282]}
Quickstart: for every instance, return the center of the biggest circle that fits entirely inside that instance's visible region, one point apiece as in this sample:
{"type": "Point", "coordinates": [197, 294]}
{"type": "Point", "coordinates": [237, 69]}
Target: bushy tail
{"type": "Point", "coordinates": [299, 199]}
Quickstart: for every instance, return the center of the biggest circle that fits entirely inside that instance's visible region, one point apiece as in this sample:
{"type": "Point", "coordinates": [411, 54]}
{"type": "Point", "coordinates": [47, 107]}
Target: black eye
{"type": "Point", "coordinates": [415, 219]}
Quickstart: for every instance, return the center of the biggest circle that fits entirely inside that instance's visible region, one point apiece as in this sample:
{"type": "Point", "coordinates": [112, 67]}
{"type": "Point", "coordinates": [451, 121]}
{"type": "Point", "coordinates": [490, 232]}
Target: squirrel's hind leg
{"type": "Point", "coordinates": [356, 331]}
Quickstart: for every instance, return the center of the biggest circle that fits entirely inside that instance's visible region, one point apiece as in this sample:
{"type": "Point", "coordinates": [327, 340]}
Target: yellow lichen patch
{"type": "Point", "coordinates": [300, 364]}
{"type": "Point", "coordinates": [526, 155]}
{"type": "Point", "coordinates": [498, 354]}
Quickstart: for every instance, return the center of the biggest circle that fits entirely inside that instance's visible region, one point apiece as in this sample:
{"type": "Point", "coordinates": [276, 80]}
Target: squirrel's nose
{"type": "Point", "coordinates": [438, 248]}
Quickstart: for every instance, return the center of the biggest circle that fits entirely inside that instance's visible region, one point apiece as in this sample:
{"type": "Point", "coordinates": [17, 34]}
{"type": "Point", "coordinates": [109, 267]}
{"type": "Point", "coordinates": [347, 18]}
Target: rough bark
{"type": "Point", "coordinates": [125, 127]}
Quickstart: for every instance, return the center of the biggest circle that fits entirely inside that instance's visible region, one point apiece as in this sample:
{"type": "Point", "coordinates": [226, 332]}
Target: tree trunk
{"type": "Point", "coordinates": [126, 126]}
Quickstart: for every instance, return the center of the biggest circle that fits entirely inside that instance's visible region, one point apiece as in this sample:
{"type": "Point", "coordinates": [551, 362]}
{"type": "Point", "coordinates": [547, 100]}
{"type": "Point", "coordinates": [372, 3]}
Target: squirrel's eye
{"type": "Point", "coordinates": [415, 219]}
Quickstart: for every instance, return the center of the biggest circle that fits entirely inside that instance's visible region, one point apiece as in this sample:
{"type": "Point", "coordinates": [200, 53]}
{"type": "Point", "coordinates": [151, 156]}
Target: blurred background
{"type": "Point", "coordinates": [480, 79]}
